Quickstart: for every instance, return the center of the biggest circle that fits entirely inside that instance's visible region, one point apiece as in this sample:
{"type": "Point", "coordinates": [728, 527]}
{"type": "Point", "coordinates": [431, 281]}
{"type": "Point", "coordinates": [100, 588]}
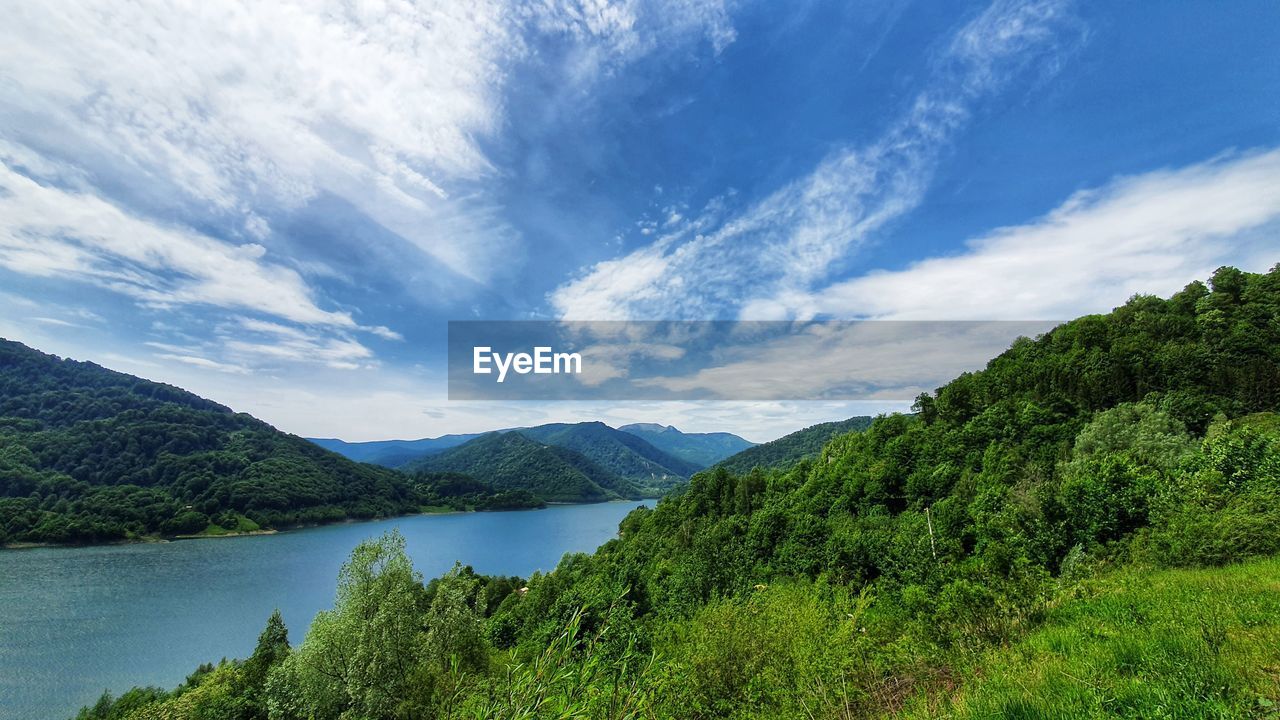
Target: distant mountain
{"type": "Point", "coordinates": [89, 455]}
{"type": "Point", "coordinates": [701, 449]}
{"type": "Point", "coordinates": [393, 453]}
{"type": "Point", "coordinates": [790, 449]}
{"type": "Point", "coordinates": [512, 461]}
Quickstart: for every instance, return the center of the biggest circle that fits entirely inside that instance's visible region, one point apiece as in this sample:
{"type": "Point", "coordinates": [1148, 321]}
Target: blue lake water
{"type": "Point", "coordinates": [77, 621]}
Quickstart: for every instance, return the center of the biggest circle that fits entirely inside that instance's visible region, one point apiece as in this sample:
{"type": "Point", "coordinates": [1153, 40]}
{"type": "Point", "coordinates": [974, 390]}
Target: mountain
{"type": "Point", "coordinates": [89, 455]}
{"type": "Point", "coordinates": [702, 449]}
{"type": "Point", "coordinates": [790, 449]}
{"type": "Point", "coordinates": [621, 453]}
{"type": "Point", "coordinates": [512, 461]}
{"type": "Point", "coordinates": [393, 453]}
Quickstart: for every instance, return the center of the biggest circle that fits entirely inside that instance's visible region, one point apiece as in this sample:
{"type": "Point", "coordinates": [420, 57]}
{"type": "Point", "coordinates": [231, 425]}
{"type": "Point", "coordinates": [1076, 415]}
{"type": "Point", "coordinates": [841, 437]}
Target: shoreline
{"type": "Point", "coordinates": [150, 539]}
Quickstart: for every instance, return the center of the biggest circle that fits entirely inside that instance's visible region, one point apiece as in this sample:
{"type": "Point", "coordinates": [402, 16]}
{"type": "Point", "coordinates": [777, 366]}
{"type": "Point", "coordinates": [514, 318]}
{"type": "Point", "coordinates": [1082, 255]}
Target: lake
{"type": "Point", "coordinates": [77, 621]}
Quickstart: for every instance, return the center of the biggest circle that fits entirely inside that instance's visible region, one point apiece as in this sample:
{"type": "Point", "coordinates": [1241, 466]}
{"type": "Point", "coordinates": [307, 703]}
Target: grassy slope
{"type": "Point", "coordinates": [1170, 644]}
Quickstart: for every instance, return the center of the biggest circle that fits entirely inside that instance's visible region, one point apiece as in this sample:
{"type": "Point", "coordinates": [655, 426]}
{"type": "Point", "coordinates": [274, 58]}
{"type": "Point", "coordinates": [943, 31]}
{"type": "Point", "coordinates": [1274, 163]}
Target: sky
{"type": "Point", "coordinates": [280, 206]}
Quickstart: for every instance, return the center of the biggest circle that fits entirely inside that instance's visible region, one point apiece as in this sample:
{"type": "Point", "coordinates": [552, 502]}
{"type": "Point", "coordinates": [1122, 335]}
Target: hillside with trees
{"type": "Point", "coordinates": [1057, 535]}
{"type": "Point", "coordinates": [791, 448]}
{"type": "Point", "coordinates": [92, 455]}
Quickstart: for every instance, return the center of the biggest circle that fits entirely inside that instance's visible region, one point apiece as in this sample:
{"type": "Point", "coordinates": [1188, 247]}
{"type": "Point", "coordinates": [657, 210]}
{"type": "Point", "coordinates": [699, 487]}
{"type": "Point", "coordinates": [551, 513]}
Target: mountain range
{"type": "Point", "coordinates": [663, 451]}
{"type": "Point", "coordinates": [563, 462]}
{"type": "Point", "coordinates": [88, 454]}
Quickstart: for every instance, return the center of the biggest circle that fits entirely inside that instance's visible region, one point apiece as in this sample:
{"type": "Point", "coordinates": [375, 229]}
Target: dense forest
{"type": "Point", "coordinates": [92, 455]}
{"type": "Point", "coordinates": [1054, 536]}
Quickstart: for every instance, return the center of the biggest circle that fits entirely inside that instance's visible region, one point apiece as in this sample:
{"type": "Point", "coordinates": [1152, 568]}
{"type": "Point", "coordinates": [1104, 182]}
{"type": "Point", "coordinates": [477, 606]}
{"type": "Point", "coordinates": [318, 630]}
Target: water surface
{"type": "Point", "coordinates": [77, 621]}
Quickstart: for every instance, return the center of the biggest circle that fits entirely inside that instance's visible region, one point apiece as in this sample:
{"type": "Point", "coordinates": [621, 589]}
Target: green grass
{"type": "Point", "coordinates": [1169, 644]}
{"type": "Point", "coordinates": [243, 525]}
{"type": "Point", "coordinates": [439, 509]}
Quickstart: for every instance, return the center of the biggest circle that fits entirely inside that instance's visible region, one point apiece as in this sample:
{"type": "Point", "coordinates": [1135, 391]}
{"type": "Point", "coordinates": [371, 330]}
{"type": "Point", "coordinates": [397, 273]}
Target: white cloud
{"type": "Point", "coordinates": [239, 106]}
{"type": "Point", "coordinates": [870, 361]}
{"type": "Point", "coordinates": [269, 348]}
{"type": "Point", "coordinates": [49, 232]}
{"type": "Point", "coordinates": [269, 102]}
{"type": "Point", "coordinates": [205, 363]}
{"type": "Point", "coordinates": [800, 234]}
{"type": "Point", "coordinates": [1152, 233]}
{"type": "Point", "coordinates": [56, 321]}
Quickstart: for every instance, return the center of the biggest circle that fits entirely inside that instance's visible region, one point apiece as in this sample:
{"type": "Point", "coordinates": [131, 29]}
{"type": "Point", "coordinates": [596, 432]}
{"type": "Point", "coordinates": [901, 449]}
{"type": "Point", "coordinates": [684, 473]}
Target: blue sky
{"type": "Point", "coordinates": [280, 206]}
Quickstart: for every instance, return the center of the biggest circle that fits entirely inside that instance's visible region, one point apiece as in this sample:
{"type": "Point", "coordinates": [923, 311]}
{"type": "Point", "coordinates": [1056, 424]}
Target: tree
{"type": "Point", "coordinates": [359, 658]}
{"type": "Point", "coordinates": [272, 649]}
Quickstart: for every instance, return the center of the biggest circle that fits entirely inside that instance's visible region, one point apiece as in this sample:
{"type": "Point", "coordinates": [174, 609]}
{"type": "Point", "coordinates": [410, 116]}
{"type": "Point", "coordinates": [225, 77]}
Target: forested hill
{"type": "Point", "coordinates": [1021, 507]}
{"type": "Point", "coordinates": [791, 449]}
{"type": "Point", "coordinates": [512, 461]}
{"type": "Point", "coordinates": [89, 455]}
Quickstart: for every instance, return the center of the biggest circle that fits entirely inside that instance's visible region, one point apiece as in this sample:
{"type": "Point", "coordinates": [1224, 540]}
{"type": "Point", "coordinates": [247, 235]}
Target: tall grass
{"type": "Point", "coordinates": [1172, 644]}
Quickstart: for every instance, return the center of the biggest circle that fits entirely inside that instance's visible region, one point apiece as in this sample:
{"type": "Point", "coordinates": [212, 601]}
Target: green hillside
{"type": "Point", "coordinates": [701, 449]}
{"type": "Point", "coordinates": [511, 461]}
{"type": "Point", "coordinates": [791, 449]}
{"type": "Point", "coordinates": [1003, 552]}
{"type": "Point", "coordinates": [90, 455]}
{"type": "Point", "coordinates": [1178, 643]}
